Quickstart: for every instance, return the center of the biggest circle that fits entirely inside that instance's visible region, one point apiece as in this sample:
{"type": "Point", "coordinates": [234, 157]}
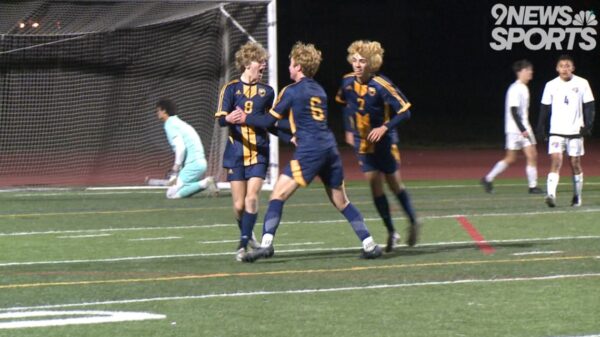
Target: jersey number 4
{"type": "Point", "coordinates": [566, 100]}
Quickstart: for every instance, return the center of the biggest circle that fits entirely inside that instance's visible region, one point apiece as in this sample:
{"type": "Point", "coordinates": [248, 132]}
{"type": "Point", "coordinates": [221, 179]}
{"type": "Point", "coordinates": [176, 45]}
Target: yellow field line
{"type": "Point", "coordinates": [291, 272]}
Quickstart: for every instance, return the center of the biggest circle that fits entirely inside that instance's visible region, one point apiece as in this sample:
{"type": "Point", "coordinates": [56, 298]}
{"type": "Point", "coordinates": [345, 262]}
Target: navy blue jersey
{"type": "Point", "coordinates": [305, 104]}
{"type": "Point", "coordinates": [247, 145]}
{"type": "Point", "coordinates": [371, 105]}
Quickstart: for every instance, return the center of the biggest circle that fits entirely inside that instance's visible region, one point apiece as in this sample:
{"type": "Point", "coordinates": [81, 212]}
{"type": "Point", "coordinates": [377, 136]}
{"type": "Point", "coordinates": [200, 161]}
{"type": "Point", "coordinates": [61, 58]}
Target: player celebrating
{"type": "Point", "coordinates": [305, 102]}
{"type": "Point", "coordinates": [519, 135]}
{"type": "Point", "coordinates": [246, 154]}
{"type": "Point", "coordinates": [371, 97]}
{"type": "Point", "coordinates": [190, 163]}
{"type": "Point", "coordinates": [569, 101]}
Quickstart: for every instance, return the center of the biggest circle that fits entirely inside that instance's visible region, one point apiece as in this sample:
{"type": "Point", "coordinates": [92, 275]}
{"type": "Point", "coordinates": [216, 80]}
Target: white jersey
{"type": "Point", "coordinates": [179, 131]}
{"type": "Point", "coordinates": [517, 96]}
{"type": "Point", "coordinates": [566, 99]}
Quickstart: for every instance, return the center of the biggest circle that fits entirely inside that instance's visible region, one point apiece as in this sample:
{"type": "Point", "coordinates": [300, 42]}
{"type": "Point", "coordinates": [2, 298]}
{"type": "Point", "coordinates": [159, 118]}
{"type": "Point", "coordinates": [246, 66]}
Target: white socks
{"type": "Point", "coordinates": [267, 240]}
{"type": "Point", "coordinates": [496, 170]}
{"type": "Point", "coordinates": [532, 176]}
{"type": "Point", "coordinates": [552, 183]}
{"type": "Point", "coordinates": [368, 244]}
{"type": "Point", "coordinates": [578, 184]}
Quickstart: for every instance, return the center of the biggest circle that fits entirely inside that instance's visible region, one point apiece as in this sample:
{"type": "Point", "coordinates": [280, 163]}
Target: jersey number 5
{"type": "Point", "coordinates": [316, 110]}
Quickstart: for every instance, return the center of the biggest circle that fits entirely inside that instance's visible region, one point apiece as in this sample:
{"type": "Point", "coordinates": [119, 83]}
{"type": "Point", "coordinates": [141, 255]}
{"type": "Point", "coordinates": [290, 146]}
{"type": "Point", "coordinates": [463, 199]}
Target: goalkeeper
{"type": "Point", "coordinates": [190, 163]}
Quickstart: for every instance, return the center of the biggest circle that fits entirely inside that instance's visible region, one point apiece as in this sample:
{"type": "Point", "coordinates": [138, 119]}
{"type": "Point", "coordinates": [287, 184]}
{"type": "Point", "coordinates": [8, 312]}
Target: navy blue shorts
{"type": "Point", "coordinates": [247, 172]}
{"type": "Point", "coordinates": [382, 161]}
{"type": "Point", "coordinates": [327, 165]}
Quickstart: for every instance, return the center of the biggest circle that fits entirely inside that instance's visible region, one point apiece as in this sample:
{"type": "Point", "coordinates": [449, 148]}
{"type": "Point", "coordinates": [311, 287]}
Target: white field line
{"type": "Point", "coordinates": [281, 244]}
{"type": "Point", "coordinates": [159, 189]}
{"type": "Point", "coordinates": [539, 252]}
{"type": "Point", "coordinates": [219, 241]}
{"type": "Point", "coordinates": [82, 236]}
{"type": "Point", "coordinates": [298, 250]}
{"type": "Point", "coordinates": [157, 239]}
{"type": "Point", "coordinates": [431, 217]}
{"type": "Point", "coordinates": [309, 291]}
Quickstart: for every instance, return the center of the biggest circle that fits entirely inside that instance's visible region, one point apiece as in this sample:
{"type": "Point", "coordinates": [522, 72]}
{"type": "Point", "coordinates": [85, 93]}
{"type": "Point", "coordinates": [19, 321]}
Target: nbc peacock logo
{"type": "Point", "coordinates": [543, 28]}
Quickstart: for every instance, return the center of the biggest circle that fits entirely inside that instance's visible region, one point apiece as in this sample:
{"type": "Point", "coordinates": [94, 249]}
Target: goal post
{"type": "Point", "coordinates": [79, 80]}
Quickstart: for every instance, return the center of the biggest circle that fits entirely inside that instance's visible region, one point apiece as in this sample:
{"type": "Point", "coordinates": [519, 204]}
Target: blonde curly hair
{"type": "Point", "coordinates": [250, 51]}
{"type": "Point", "coordinates": [307, 56]}
{"type": "Point", "coordinates": [371, 50]}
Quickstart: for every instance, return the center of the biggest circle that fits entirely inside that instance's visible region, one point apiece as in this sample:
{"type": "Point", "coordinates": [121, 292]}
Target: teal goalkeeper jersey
{"type": "Point", "coordinates": [194, 151]}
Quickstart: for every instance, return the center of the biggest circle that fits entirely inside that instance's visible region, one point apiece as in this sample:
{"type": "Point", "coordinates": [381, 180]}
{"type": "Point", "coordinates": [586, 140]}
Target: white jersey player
{"type": "Point", "coordinates": [190, 162]}
{"type": "Point", "coordinates": [569, 101]}
{"type": "Point", "coordinates": [519, 135]}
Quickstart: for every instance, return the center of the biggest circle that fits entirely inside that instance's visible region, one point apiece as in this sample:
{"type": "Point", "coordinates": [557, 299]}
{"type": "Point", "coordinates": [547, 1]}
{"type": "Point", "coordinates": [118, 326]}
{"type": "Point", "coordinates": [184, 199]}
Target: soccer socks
{"type": "Point", "coordinates": [532, 176]}
{"type": "Point", "coordinates": [404, 199]}
{"type": "Point", "coordinates": [578, 184]}
{"type": "Point", "coordinates": [246, 227]}
{"type": "Point", "coordinates": [552, 184]}
{"type": "Point", "coordinates": [383, 208]}
{"type": "Point", "coordinates": [357, 222]}
{"type": "Point", "coordinates": [272, 219]}
{"type": "Point", "coordinates": [496, 170]}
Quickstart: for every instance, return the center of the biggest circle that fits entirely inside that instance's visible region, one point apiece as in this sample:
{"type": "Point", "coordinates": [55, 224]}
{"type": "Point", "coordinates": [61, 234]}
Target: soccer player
{"type": "Point", "coordinates": [305, 102]}
{"type": "Point", "coordinates": [569, 101]}
{"type": "Point", "coordinates": [519, 134]}
{"type": "Point", "coordinates": [190, 163]}
{"type": "Point", "coordinates": [378, 107]}
{"type": "Point", "coordinates": [246, 155]}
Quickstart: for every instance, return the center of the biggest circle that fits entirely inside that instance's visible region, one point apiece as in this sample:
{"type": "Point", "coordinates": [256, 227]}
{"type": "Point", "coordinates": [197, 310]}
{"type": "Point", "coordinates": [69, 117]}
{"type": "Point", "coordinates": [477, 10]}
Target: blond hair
{"type": "Point", "coordinates": [307, 56]}
{"type": "Point", "coordinates": [371, 50]}
{"type": "Point", "coordinates": [251, 51]}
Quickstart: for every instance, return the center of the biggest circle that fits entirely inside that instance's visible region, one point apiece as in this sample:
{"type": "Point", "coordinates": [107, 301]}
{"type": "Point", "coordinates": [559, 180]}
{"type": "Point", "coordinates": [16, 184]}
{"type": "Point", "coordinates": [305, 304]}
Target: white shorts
{"type": "Point", "coordinates": [516, 141]}
{"type": "Point", "coordinates": [573, 146]}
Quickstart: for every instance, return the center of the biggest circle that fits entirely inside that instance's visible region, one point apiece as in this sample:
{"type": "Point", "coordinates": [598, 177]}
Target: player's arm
{"type": "Point", "coordinates": [589, 113]}
{"type": "Point", "coordinates": [278, 112]}
{"type": "Point", "coordinates": [542, 125]}
{"type": "Point", "coordinates": [179, 150]}
{"type": "Point", "coordinates": [514, 111]}
{"type": "Point", "coordinates": [225, 105]}
{"type": "Point", "coordinates": [398, 102]}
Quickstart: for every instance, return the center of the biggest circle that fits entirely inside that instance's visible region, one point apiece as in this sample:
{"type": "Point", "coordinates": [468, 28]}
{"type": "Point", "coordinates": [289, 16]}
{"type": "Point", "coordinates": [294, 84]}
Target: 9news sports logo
{"type": "Point", "coordinates": [543, 27]}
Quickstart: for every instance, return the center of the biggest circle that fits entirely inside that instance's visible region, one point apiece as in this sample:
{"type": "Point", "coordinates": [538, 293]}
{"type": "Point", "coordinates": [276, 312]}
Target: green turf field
{"type": "Point", "coordinates": [94, 256]}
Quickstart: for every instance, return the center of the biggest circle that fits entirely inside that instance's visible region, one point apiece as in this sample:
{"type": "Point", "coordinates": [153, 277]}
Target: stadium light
{"type": "Point", "coordinates": [21, 25]}
{"type": "Point", "coordinates": [35, 24]}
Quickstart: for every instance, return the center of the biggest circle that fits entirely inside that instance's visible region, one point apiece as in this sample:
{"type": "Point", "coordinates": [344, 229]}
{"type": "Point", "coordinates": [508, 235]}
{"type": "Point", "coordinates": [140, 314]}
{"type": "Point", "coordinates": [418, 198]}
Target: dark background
{"type": "Point", "coordinates": [438, 53]}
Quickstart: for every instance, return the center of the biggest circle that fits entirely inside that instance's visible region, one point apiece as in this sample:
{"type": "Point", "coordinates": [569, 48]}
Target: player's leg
{"type": "Point", "coordinates": [575, 151]}
{"type": "Point", "coordinates": [500, 166]}
{"type": "Point", "coordinates": [556, 146]}
{"type": "Point", "coordinates": [531, 169]}
{"type": "Point", "coordinates": [394, 181]}
{"type": "Point", "coordinates": [190, 176]}
{"type": "Point", "coordinates": [331, 173]}
{"type": "Point", "coordinates": [284, 188]}
{"type": "Point", "coordinates": [250, 213]}
{"type": "Point", "coordinates": [339, 198]}
{"type": "Point", "coordinates": [381, 204]}
{"type": "Point", "coordinates": [238, 195]}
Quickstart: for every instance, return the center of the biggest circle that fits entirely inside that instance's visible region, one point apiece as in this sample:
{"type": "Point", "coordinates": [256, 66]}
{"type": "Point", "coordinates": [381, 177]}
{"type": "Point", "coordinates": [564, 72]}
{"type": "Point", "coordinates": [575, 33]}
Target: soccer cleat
{"type": "Point", "coordinates": [239, 256]}
{"type": "Point", "coordinates": [576, 201]}
{"type": "Point", "coordinates": [392, 241]}
{"type": "Point", "coordinates": [488, 187]}
{"type": "Point", "coordinates": [413, 233]}
{"type": "Point", "coordinates": [260, 253]}
{"type": "Point", "coordinates": [372, 254]}
{"type": "Point", "coordinates": [535, 190]}
{"type": "Point", "coordinates": [550, 201]}
{"type": "Point", "coordinates": [253, 243]}
{"type": "Point", "coordinates": [211, 187]}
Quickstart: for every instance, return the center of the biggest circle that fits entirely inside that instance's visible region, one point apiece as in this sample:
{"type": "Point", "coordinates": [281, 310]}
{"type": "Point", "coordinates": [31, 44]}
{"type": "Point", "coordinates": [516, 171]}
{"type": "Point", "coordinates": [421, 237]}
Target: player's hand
{"type": "Point", "coordinates": [294, 141]}
{"type": "Point", "coordinates": [376, 134]}
{"type": "Point", "coordinates": [235, 116]}
{"type": "Point", "coordinates": [585, 131]}
{"type": "Point", "coordinates": [525, 134]}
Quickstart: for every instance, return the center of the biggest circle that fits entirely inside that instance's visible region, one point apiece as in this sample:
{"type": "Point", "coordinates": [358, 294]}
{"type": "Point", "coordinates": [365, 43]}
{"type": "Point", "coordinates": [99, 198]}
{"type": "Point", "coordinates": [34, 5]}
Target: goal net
{"type": "Point", "coordinates": [79, 81]}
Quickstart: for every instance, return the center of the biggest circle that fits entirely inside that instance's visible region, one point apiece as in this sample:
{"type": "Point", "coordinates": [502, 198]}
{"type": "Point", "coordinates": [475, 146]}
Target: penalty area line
{"type": "Point", "coordinates": [311, 291]}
